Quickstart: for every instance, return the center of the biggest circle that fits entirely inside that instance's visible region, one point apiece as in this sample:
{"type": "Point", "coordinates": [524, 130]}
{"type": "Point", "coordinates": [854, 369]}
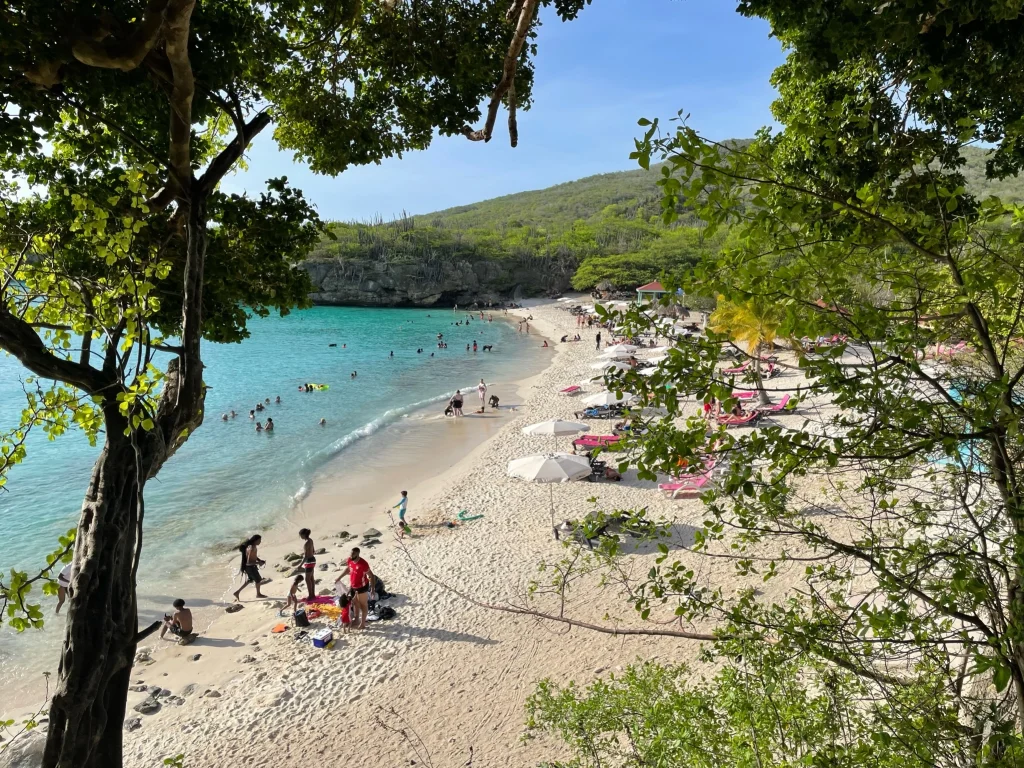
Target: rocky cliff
{"type": "Point", "coordinates": [364, 282]}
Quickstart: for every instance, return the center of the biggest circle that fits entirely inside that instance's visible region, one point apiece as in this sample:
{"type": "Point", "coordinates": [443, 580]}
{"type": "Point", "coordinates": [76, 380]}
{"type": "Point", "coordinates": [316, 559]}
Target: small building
{"type": "Point", "coordinates": [651, 292]}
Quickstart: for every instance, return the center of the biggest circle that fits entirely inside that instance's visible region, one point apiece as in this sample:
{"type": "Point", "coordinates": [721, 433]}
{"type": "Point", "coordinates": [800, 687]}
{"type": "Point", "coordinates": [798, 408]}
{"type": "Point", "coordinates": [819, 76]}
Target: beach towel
{"type": "Point", "coordinates": [318, 600]}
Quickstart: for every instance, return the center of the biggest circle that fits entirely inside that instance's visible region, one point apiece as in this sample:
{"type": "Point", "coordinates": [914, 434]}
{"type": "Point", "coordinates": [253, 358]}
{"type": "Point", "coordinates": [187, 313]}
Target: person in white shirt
{"type": "Point", "coordinates": [63, 584]}
{"type": "Point", "coordinates": [481, 390]}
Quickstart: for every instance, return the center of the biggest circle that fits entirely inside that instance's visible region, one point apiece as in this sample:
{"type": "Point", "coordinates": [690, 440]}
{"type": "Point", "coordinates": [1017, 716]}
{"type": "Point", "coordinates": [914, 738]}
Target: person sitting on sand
{"type": "Point", "coordinates": [544, 344]}
{"type": "Point", "coordinates": [449, 411]}
{"type": "Point", "coordinates": [293, 598]}
{"type": "Point", "coordinates": [360, 578]}
{"type": "Point", "coordinates": [250, 565]}
{"type": "Point", "coordinates": [564, 338]}
{"type": "Point", "coordinates": [270, 425]}
{"type": "Point", "coordinates": [493, 402]}
{"type": "Point", "coordinates": [308, 560]}
{"type": "Point", "coordinates": [179, 623]}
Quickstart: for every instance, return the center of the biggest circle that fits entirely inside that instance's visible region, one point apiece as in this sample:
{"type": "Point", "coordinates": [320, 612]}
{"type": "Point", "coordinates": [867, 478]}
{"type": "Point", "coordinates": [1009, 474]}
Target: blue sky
{"type": "Point", "coordinates": [619, 61]}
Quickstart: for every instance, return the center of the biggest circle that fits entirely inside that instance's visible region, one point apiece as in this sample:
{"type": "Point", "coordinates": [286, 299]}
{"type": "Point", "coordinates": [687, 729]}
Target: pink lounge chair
{"type": "Point", "coordinates": [739, 421]}
{"type": "Point", "coordinates": [743, 395]}
{"type": "Point", "coordinates": [595, 441]}
{"type": "Point", "coordinates": [781, 405]}
{"type": "Point", "coordinates": [737, 369]}
{"type": "Point", "coordinates": [574, 389]}
{"type": "Point", "coordinates": [689, 487]}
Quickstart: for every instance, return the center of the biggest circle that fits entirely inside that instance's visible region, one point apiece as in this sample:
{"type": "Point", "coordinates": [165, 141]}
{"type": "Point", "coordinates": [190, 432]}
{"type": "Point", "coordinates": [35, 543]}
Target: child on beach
{"type": "Point", "coordinates": [293, 598]}
{"type": "Point", "coordinates": [403, 527]}
{"type": "Point", "coordinates": [345, 619]}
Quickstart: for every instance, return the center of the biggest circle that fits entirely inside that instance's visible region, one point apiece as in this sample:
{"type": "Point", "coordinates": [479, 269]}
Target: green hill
{"type": "Point", "coordinates": [601, 228]}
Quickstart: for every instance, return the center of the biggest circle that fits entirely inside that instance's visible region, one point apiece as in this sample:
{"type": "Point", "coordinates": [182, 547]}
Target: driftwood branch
{"type": "Point", "coordinates": [527, 9]}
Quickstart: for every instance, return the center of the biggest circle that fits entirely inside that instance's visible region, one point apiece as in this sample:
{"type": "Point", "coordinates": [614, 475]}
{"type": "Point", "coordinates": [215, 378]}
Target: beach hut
{"type": "Point", "coordinates": [650, 292]}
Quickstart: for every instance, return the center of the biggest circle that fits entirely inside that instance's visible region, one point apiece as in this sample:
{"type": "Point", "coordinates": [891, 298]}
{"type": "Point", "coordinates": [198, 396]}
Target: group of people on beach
{"type": "Point", "coordinates": [456, 401]}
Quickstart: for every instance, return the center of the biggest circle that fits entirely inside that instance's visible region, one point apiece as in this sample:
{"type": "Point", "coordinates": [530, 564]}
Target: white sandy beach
{"type": "Point", "coordinates": [454, 673]}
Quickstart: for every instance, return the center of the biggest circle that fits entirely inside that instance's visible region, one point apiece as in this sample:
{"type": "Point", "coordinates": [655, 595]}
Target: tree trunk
{"type": "Point", "coordinates": [762, 393]}
{"type": "Point", "coordinates": [88, 707]}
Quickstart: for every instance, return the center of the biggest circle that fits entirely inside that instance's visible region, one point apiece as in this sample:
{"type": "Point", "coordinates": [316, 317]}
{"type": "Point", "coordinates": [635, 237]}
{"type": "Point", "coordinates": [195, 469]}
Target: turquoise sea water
{"type": "Point", "coordinates": [229, 478]}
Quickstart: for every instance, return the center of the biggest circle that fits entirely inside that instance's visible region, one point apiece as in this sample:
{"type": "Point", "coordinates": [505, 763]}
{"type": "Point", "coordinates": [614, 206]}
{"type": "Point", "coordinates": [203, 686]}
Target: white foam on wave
{"type": "Point", "coordinates": [323, 455]}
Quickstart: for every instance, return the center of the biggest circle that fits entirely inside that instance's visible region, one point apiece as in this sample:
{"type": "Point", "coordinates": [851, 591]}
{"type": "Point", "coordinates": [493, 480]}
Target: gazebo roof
{"type": "Point", "coordinates": [654, 287]}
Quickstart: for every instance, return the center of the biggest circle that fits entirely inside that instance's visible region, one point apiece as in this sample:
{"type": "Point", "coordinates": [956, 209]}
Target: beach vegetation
{"type": "Point", "coordinates": [120, 254]}
{"type": "Point", "coordinates": [753, 324]}
{"type": "Point", "coordinates": [876, 534]}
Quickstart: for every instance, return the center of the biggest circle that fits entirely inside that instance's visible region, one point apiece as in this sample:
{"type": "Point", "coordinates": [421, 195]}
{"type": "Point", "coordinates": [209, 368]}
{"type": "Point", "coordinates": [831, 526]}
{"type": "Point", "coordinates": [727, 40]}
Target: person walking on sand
{"type": "Point", "coordinates": [481, 391]}
{"type": "Point", "coordinates": [293, 598]}
{"type": "Point", "coordinates": [598, 339]}
{"type": "Point", "coordinates": [360, 577]}
{"type": "Point", "coordinates": [250, 565]}
{"type": "Point", "coordinates": [402, 504]}
{"type": "Point", "coordinates": [179, 623]}
{"type": "Point", "coordinates": [308, 560]}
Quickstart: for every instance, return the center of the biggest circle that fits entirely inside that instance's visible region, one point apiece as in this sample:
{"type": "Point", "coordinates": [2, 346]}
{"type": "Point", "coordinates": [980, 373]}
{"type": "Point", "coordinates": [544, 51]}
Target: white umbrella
{"type": "Point", "coordinates": [610, 364]}
{"type": "Point", "coordinates": [613, 352]}
{"type": "Point", "coordinates": [550, 468]}
{"type": "Point", "coordinates": [657, 349]}
{"type": "Point", "coordinates": [625, 347]}
{"type": "Point", "coordinates": [556, 427]}
{"type": "Point", "coordinates": [609, 398]}
{"type": "Point", "coordinates": [657, 358]}
{"type": "Point", "coordinates": [649, 371]}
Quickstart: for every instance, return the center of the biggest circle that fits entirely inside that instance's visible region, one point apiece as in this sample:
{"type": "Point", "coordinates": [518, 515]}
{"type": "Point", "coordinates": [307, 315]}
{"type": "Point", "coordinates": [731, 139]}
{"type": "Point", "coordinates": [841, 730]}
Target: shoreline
{"type": "Point", "coordinates": [207, 583]}
{"type": "Point", "coordinates": [452, 672]}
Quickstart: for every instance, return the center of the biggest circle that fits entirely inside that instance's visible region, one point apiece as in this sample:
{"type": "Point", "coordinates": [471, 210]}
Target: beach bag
{"type": "Point", "coordinates": [301, 620]}
{"type": "Point", "coordinates": [385, 612]}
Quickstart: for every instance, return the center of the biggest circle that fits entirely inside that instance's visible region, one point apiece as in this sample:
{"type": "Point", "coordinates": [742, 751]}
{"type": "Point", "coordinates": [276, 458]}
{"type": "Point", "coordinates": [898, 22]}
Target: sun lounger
{"type": "Point", "coordinates": [690, 486]}
{"type": "Point", "coordinates": [743, 395]}
{"type": "Point", "coordinates": [595, 441]}
{"type": "Point", "coordinates": [737, 369]}
{"type": "Point", "coordinates": [573, 390]}
{"type": "Point", "coordinates": [779, 406]}
{"type": "Point", "coordinates": [739, 421]}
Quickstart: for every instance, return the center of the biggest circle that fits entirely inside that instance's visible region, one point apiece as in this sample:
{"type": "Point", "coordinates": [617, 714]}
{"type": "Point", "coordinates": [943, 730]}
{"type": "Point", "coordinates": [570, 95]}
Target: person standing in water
{"type": "Point", "coordinates": [481, 391]}
{"type": "Point", "coordinates": [360, 580]}
{"type": "Point", "coordinates": [250, 565]}
{"type": "Point", "coordinates": [308, 560]}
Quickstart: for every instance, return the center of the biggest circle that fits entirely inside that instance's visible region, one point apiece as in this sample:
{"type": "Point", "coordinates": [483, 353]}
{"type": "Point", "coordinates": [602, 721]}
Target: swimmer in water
{"type": "Point", "coordinates": [252, 415]}
{"type": "Point", "coordinates": [392, 353]}
{"type": "Point", "coordinates": [270, 425]}
{"type": "Point", "coordinates": [278, 400]}
{"type": "Point", "coordinates": [223, 417]}
{"type": "Point", "coordinates": [323, 422]}
{"type": "Point", "coordinates": [259, 427]}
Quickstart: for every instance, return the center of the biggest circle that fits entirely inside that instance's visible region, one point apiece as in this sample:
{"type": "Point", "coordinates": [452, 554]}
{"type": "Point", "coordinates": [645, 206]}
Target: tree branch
{"type": "Point", "coordinates": [527, 10]}
{"type": "Point", "coordinates": [18, 338]}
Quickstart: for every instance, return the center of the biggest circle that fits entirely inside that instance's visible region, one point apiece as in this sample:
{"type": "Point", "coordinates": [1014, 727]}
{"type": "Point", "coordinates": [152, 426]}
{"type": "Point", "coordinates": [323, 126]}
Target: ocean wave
{"type": "Point", "coordinates": [323, 455]}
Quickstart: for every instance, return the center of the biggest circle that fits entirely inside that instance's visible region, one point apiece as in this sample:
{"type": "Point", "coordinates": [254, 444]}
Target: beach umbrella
{"type": "Point", "coordinates": [659, 350]}
{"type": "Point", "coordinates": [556, 428]}
{"type": "Point", "coordinates": [657, 358]}
{"type": "Point", "coordinates": [550, 468]}
{"type": "Point", "coordinates": [613, 352]}
{"type": "Point", "coordinates": [609, 398]}
{"type": "Point", "coordinates": [625, 347]}
{"type": "Point", "coordinates": [610, 365]}
{"type": "Point", "coordinates": [649, 371]}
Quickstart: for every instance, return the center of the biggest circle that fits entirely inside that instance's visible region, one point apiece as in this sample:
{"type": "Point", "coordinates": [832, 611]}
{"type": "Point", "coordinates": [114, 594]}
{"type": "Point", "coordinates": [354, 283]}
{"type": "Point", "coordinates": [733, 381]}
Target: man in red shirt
{"type": "Point", "coordinates": [361, 581]}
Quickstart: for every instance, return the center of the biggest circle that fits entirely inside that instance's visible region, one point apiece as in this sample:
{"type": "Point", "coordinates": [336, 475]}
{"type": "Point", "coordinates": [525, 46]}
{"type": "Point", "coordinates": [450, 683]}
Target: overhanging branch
{"type": "Point", "coordinates": [527, 10]}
